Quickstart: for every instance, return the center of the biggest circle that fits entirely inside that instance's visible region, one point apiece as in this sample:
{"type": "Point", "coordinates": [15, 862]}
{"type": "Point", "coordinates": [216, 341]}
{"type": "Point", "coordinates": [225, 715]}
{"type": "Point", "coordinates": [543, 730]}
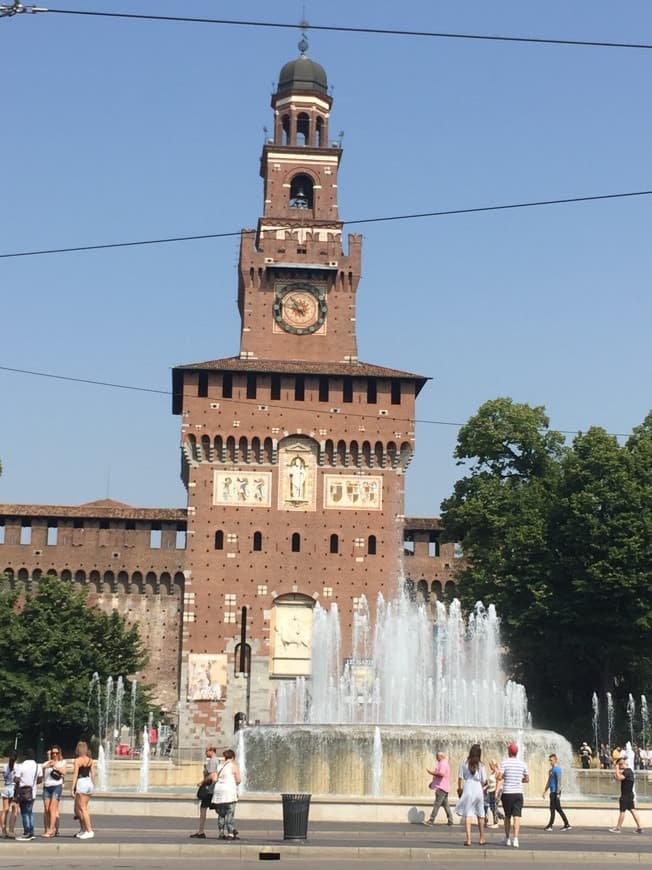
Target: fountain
{"type": "Point", "coordinates": [645, 721]}
{"type": "Point", "coordinates": [411, 685]}
{"type": "Point", "coordinates": [595, 708]}
{"type": "Point", "coordinates": [143, 782]}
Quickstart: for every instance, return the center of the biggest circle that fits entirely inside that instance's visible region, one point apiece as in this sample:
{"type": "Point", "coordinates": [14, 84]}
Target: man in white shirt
{"type": "Point", "coordinates": [513, 773]}
{"type": "Point", "coordinates": [27, 776]}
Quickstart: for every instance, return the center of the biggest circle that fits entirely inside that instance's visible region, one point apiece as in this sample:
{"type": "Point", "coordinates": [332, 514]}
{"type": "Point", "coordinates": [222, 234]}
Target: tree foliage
{"type": "Point", "coordinates": [51, 643]}
{"type": "Point", "coordinates": [559, 538]}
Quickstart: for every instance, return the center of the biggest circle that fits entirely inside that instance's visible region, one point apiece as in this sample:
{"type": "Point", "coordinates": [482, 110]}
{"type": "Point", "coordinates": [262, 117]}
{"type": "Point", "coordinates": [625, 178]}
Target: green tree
{"type": "Point", "coordinates": [559, 539]}
{"type": "Point", "coordinates": [51, 643]}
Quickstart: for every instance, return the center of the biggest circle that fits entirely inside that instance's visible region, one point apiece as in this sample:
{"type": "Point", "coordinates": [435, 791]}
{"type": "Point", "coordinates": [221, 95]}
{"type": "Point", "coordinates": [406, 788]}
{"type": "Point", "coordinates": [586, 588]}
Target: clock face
{"type": "Point", "coordinates": [299, 308]}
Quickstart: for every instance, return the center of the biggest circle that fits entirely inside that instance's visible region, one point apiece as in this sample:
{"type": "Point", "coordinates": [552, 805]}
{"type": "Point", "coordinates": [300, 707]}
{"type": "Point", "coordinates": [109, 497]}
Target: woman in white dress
{"type": "Point", "coordinates": [225, 795]}
{"type": "Point", "coordinates": [472, 779]}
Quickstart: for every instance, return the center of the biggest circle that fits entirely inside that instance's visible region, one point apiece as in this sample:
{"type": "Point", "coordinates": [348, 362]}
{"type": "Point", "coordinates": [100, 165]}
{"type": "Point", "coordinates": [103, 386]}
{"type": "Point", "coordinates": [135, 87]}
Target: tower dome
{"type": "Point", "coordinates": [302, 74]}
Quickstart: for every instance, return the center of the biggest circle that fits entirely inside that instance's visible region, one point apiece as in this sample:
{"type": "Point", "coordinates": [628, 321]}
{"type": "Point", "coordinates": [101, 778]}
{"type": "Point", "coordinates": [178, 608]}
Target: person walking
{"type": "Point", "coordinates": [27, 775]}
{"type": "Point", "coordinates": [82, 789]}
{"type": "Point", "coordinates": [54, 771]}
{"type": "Point", "coordinates": [471, 782]}
{"type": "Point", "coordinates": [441, 783]}
{"type": "Point", "coordinates": [205, 788]}
{"type": "Point", "coordinates": [625, 775]}
{"type": "Point", "coordinates": [553, 786]}
{"type": "Point", "coordinates": [9, 803]}
{"type": "Point", "coordinates": [513, 773]}
{"type": "Point", "coordinates": [227, 778]}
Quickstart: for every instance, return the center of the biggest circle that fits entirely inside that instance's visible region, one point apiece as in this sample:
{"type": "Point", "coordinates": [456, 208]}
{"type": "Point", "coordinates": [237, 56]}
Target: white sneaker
{"type": "Point", "coordinates": [515, 842]}
{"type": "Point", "coordinates": [507, 842]}
{"type": "Point", "coordinates": [87, 835]}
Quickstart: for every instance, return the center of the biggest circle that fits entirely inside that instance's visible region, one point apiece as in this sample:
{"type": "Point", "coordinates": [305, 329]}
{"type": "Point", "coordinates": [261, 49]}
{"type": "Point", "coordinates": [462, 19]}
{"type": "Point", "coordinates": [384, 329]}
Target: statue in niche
{"type": "Point", "coordinates": [297, 475]}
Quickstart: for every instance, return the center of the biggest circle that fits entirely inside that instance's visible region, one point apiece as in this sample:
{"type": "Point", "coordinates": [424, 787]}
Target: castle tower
{"type": "Point", "coordinates": [293, 452]}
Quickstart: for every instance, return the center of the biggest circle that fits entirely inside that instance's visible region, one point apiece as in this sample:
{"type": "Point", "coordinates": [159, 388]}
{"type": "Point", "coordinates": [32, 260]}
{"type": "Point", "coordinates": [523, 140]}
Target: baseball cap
{"type": "Point", "coordinates": [513, 748]}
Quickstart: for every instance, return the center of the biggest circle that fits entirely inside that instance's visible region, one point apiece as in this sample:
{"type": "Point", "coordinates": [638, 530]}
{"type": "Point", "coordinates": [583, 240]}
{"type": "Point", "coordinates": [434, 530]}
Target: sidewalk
{"type": "Point", "coordinates": [139, 836]}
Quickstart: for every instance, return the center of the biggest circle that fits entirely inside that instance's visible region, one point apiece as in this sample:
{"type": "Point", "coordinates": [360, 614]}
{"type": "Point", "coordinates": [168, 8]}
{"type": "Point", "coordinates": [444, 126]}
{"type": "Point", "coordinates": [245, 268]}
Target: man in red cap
{"type": "Point", "coordinates": [513, 773]}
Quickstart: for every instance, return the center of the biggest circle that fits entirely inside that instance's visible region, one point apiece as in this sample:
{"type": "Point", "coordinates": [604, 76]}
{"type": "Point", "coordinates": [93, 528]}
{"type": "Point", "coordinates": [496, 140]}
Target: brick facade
{"type": "Point", "coordinates": [293, 455]}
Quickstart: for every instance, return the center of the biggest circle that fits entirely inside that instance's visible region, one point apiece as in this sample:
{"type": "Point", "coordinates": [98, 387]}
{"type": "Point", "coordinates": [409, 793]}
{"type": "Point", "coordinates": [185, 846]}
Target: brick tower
{"type": "Point", "coordinates": [293, 452]}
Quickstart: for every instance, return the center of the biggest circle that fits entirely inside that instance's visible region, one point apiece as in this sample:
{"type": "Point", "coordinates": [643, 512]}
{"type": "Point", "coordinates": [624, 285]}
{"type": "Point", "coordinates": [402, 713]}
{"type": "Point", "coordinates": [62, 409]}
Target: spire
{"type": "Point", "coordinates": [303, 42]}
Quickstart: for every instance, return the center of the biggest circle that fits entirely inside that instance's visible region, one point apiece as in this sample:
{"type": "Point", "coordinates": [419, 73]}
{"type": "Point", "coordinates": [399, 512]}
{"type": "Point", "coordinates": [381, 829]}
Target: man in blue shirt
{"type": "Point", "coordinates": [554, 787]}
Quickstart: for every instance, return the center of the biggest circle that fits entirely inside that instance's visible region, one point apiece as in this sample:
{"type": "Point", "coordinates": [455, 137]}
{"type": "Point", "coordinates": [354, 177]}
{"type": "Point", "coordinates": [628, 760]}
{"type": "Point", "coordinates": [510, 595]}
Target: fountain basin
{"type": "Point", "coordinates": [380, 760]}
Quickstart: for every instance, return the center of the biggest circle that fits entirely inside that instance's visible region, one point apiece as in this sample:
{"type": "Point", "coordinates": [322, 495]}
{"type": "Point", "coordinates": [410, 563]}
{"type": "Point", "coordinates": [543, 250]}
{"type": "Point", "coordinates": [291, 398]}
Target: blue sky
{"type": "Point", "coordinates": [120, 130]}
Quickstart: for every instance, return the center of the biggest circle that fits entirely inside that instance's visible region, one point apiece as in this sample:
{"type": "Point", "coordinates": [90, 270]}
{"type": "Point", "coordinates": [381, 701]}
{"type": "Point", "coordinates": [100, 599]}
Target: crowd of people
{"type": "Point", "coordinates": [481, 789]}
{"type": "Point", "coordinates": [21, 780]}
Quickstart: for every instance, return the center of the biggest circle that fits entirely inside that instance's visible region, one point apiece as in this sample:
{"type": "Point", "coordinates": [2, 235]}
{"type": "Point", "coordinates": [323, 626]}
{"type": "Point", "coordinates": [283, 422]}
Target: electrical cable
{"type": "Point", "coordinates": [373, 31]}
{"type": "Point", "coordinates": [253, 403]}
{"type": "Point", "coordinates": [400, 217]}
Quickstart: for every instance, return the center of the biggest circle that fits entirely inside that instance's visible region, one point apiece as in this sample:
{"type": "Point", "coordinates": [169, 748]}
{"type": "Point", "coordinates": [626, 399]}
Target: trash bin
{"type": "Point", "coordinates": [295, 816]}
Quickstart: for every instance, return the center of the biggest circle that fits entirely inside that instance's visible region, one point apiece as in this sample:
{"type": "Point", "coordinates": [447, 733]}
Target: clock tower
{"type": "Point", "coordinates": [295, 279]}
{"type": "Point", "coordinates": [293, 452]}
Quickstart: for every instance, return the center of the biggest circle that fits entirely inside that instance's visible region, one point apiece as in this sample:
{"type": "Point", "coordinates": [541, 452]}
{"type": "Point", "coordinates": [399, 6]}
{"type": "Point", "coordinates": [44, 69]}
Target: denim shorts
{"type": "Point", "coordinates": [52, 791]}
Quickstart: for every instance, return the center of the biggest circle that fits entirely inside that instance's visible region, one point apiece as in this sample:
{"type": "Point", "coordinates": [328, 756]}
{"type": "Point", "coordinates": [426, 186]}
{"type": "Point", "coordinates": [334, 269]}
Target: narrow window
{"type": "Point", "coordinates": [251, 386]}
{"type": "Point", "coordinates": [227, 385]}
{"type": "Point", "coordinates": [202, 385]}
{"type": "Point", "coordinates": [275, 392]}
{"type": "Point", "coordinates": [433, 546]}
{"type": "Point", "coordinates": [2, 533]}
{"type": "Point", "coordinates": [180, 541]}
{"type": "Point", "coordinates": [299, 388]}
{"type": "Point", "coordinates": [219, 540]}
{"type": "Point", "coordinates": [296, 542]}
{"type": "Point", "coordinates": [258, 541]}
{"type": "Point", "coordinates": [53, 534]}
{"type": "Point", "coordinates": [372, 392]}
{"type": "Point", "coordinates": [371, 545]}
{"type": "Point", "coordinates": [155, 539]}
{"type": "Point", "coordinates": [347, 389]}
{"type": "Point", "coordinates": [26, 532]}
{"type": "Point", "coordinates": [323, 388]}
{"type": "Point", "coordinates": [396, 392]}
{"type": "Point", "coordinates": [335, 544]}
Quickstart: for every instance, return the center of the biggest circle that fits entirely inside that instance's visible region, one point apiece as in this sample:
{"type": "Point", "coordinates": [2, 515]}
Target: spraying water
{"type": "Point", "coordinates": [405, 670]}
{"type": "Point", "coordinates": [610, 719]}
{"type": "Point", "coordinates": [631, 712]}
{"type": "Point", "coordinates": [595, 704]}
{"type": "Point", "coordinates": [143, 783]}
{"type": "Point", "coordinates": [645, 721]}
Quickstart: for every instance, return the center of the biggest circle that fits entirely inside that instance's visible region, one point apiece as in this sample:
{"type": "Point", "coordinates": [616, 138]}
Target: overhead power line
{"type": "Point", "coordinates": [372, 220]}
{"type": "Point", "coordinates": [329, 28]}
{"type": "Point", "coordinates": [255, 404]}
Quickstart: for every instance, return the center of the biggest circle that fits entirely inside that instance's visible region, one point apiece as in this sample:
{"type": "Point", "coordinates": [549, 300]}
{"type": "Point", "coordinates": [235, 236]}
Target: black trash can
{"type": "Point", "coordinates": [295, 816]}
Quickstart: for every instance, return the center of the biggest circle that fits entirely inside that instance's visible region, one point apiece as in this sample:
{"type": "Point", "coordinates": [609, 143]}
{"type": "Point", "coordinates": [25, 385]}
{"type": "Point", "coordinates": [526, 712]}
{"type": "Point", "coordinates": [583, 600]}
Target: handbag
{"type": "Point", "coordinates": [55, 774]}
{"type": "Point", "coordinates": [431, 784]}
{"type": "Point", "coordinates": [25, 794]}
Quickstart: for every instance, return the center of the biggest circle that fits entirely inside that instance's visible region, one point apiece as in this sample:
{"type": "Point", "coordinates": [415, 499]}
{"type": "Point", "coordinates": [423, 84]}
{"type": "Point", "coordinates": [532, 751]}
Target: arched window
{"type": "Point", "coordinates": [435, 588]}
{"type": "Point", "coordinates": [303, 129]}
{"type": "Point", "coordinates": [330, 452]}
{"type": "Point", "coordinates": [319, 130]}
{"type": "Point", "coordinates": [296, 542]}
{"type": "Point", "coordinates": [371, 545]}
{"type": "Point", "coordinates": [255, 450]}
{"type": "Point", "coordinates": [286, 129]}
{"type": "Point", "coordinates": [355, 454]}
{"type": "Point", "coordinates": [219, 540]}
{"type": "Point", "coordinates": [422, 590]}
{"type": "Point", "coordinates": [301, 191]}
{"type": "Point", "coordinates": [335, 544]}
{"type": "Point", "coordinates": [258, 541]}
{"type": "Point", "coordinates": [230, 449]}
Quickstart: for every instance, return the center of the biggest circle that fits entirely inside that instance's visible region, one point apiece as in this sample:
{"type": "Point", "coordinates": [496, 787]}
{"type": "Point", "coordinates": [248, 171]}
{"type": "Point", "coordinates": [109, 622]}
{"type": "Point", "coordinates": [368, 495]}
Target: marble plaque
{"type": "Point", "coordinates": [353, 492]}
{"type": "Point", "coordinates": [291, 640]}
{"type": "Point", "coordinates": [250, 488]}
